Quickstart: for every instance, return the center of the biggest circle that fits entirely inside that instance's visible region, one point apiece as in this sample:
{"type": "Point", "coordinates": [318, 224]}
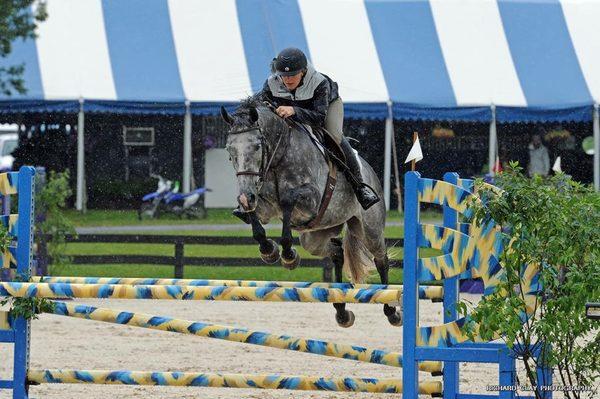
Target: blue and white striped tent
{"type": "Point", "coordinates": [440, 59]}
{"type": "Point", "coordinates": [529, 60]}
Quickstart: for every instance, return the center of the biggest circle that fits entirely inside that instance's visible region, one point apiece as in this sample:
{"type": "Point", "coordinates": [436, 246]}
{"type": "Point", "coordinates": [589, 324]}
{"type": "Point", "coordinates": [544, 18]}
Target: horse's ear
{"type": "Point", "coordinates": [253, 115]}
{"type": "Point", "coordinates": [226, 117]}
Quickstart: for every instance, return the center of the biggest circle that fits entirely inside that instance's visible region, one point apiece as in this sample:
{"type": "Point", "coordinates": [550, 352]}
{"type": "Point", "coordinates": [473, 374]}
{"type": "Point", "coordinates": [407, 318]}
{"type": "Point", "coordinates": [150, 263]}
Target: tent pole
{"type": "Point", "coordinates": [387, 163]}
{"type": "Point", "coordinates": [596, 148]}
{"type": "Point", "coordinates": [187, 148]}
{"type": "Point", "coordinates": [493, 141]}
{"type": "Point", "coordinates": [80, 197]}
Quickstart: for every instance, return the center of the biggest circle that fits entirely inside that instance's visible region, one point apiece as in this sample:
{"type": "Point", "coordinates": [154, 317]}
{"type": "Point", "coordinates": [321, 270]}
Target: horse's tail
{"type": "Point", "coordinates": [358, 261]}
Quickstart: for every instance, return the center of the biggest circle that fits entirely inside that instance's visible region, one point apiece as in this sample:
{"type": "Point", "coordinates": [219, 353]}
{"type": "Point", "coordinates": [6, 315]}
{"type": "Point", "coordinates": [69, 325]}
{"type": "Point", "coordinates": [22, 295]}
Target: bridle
{"type": "Point", "coordinates": [263, 170]}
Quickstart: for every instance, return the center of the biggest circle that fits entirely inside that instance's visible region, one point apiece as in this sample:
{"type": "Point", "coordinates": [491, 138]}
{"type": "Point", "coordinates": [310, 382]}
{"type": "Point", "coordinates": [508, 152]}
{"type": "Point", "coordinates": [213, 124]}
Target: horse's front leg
{"type": "Point", "coordinates": [269, 251]}
{"type": "Point", "coordinates": [344, 318]}
{"type": "Point", "coordinates": [304, 199]}
{"type": "Point", "coordinates": [289, 256]}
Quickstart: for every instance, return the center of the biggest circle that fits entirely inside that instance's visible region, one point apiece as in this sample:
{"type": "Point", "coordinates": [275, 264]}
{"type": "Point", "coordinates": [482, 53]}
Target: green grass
{"type": "Point", "coordinates": [208, 272]}
{"type": "Point", "coordinates": [215, 216]}
{"type": "Point", "coordinates": [244, 231]}
{"type": "Point", "coordinates": [97, 217]}
{"type": "Point", "coordinates": [218, 251]}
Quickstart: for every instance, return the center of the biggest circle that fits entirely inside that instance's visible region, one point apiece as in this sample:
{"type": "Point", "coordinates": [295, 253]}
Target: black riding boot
{"type": "Point", "coordinates": [364, 194]}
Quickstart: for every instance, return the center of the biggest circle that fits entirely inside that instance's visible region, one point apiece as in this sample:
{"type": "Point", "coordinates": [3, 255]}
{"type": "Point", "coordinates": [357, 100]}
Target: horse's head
{"type": "Point", "coordinates": [247, 149]}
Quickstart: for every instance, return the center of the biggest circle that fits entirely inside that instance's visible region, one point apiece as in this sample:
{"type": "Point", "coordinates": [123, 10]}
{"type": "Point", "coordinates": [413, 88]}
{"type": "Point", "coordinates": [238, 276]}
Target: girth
{"type": "Point", "coordinates": [329, 184]}
{"type": "Point", "coordinates": [326, 198]}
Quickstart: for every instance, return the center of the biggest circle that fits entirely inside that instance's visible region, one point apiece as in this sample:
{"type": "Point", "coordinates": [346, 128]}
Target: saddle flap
{"type": "Point", "coordinates": [315, 137]}
{"type": "Point", "coordinates": [325, 142]}
{"type": "Point", "coordinates": [329, 141]}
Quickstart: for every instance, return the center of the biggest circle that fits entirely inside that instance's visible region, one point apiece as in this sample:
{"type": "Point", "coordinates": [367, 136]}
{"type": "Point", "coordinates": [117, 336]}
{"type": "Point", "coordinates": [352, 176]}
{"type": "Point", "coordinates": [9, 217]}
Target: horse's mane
{"type": "Point", "coordinates": [242, 113]}
{"type": "Point", "coordinates": [247, 103]}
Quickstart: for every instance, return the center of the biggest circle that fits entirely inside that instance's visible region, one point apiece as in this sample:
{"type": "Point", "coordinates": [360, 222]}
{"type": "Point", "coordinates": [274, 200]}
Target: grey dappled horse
{"type": "Point", "coordinates": [281, 174]}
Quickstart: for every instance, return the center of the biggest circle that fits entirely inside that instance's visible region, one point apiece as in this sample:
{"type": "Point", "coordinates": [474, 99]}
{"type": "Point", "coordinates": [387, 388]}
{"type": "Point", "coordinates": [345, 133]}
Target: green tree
{"type": "Point", "coordinates": [552, 223]}
{"type": "Point", "coordinates": [54, 225]}
{"type": "Point", "coordinates": [18, 21]}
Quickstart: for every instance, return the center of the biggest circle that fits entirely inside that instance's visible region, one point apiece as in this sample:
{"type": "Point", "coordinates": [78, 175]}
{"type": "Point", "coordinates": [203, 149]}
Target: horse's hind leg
{"type": "Point", "coordinates": [269, 251]}
{"type": "Point", "coordinates": [383, 268]}
{"type": "Point", "coordinates": [372, 228]}
{"type": "Point", "coordinates": [325, 243]}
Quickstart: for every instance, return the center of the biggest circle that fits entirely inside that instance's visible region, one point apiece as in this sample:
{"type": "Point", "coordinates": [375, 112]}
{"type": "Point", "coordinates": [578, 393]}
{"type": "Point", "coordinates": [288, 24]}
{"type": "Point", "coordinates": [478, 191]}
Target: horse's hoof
{"type": "Point", "coordinates": [347, 320]}
{"type": "Point", "coordinates": [273, 256]}
{"type": "Point", "coordinates": [292, 262]}
{"type": "Point", "coordinates": [395, 319]}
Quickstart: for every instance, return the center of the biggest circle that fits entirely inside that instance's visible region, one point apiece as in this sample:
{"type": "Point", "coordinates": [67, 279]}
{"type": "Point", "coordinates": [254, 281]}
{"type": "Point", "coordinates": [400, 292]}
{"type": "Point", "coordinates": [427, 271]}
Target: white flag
{"type": "Point", "coordinates": [415, 152]}
{"type": "Point", "coordinates": [556, 167]}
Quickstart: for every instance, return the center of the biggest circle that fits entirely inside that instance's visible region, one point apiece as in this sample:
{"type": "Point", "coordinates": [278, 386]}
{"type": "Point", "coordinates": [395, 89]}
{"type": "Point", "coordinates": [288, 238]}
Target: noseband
{"type": "Point", "coordinates": [250, 129]}
{"type": "Point", "coordinates": [262, 172]}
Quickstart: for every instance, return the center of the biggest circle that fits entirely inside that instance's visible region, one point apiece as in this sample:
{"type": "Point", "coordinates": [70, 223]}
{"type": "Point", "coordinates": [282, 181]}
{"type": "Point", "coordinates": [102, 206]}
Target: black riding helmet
{"type": "Point", "coordinates": [290, 61]}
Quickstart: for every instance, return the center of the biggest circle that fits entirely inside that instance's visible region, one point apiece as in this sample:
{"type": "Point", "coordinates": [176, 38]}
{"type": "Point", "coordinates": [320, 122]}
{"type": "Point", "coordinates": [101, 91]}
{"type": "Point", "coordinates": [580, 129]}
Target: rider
{"type": "Point", "coordinates": [307, 96]}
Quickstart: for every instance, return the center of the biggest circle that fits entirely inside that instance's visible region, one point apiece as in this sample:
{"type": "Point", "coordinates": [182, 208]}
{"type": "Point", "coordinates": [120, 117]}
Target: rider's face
{"type": "Point", "coordinates": [291, 82]}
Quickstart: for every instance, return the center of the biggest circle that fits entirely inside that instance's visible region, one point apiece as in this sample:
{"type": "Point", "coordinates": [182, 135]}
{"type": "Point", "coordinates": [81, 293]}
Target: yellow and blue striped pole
{"type": "Point", "coordinates": [425, 292]}
{"type": "Point", "coordinates": [270, 381]}
{"type": "Point", "coordinates": [344, 351]}
{"type": "Point", "coordinates": [219, 293]}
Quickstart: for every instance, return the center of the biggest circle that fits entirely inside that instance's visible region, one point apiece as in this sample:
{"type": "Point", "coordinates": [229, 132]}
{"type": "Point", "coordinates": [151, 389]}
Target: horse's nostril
{"type": "Point", "coordinates": [243, 200]}
{"type": "Point", "coordinates": [251, 197]}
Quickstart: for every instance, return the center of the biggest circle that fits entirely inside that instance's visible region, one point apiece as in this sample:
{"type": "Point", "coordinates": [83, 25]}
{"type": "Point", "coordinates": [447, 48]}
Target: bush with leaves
{"type": "Point", "coordinates": [22, 307]}
{"type": "Point", "coordinates": [53, 225]}
{"type": "Point", "coordinates": [553, 222]}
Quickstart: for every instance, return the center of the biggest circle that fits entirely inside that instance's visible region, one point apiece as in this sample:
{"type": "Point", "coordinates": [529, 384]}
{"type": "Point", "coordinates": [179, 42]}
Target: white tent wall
{"type": "Point", "coordinates": [73, 52]}
{"type": "Point", "coordinates": [476, 52]}
{"type": "Point", "coordinates": [210, 51]}
{"type": "Point", "coordinates": [581, 17]}
{"type": "Point", "coordinates": [343, 47]}
{"type": "Point", "coordinates": [220, 178]}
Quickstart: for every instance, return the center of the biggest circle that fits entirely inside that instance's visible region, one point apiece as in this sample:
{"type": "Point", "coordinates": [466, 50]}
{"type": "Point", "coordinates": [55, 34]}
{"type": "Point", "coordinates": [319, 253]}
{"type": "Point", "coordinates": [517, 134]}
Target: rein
{"type": "Point", "coordinates": [263, 171]}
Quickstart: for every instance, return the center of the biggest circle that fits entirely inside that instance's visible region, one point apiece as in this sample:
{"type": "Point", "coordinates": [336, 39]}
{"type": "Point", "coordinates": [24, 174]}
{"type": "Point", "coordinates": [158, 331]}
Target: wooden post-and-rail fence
{"type": "Point", "coordinates": [178, 259]}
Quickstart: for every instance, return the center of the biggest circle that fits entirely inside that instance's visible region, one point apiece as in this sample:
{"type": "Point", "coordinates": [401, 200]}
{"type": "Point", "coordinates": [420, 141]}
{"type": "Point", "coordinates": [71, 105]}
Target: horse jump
{"type": "Point", "coordinates": [423, 347]}
{"type": "Point", "coordinates": [432, 292]}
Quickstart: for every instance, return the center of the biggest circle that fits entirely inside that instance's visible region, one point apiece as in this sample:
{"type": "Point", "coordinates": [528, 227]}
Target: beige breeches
{"type": "Point", "coordinates": [334, 122]}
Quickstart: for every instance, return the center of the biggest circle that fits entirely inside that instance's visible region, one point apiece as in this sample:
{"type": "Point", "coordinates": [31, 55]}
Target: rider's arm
{"type": "Point", "coordinates": [315, 116]}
